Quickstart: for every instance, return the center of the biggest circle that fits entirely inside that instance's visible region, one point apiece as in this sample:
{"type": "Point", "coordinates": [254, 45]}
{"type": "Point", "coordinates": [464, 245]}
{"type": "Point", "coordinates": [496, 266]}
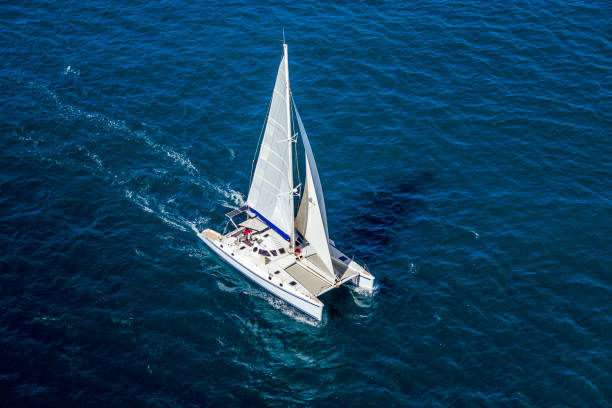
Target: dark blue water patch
{"type": "Point", "coordinates": [382, 213]}
{"type": "Point", "coordinates": [464, 155]}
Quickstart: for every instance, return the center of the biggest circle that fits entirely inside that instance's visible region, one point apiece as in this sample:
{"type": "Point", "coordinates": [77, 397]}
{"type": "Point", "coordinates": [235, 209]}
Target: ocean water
{"type": "Point", "coordinates": [465, 153]}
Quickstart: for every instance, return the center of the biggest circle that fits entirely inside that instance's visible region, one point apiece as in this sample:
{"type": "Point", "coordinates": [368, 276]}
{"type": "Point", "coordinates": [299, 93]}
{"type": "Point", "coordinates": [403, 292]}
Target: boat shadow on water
{"type": "Point", "coordinates": [383, 213]}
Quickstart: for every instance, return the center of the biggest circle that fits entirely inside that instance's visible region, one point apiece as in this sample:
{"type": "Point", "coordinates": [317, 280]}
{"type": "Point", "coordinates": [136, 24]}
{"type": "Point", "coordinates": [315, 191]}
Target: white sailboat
{"type": "Point", "coordinates": [289, 255]}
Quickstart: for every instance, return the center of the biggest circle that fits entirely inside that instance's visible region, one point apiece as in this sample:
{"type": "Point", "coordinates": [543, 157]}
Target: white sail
{"type": "Point", "coordinates": [271, 192]}
{"type": "Point", "coordinates": [313, 167]}
{"type": "Point", "coordinates": [309, 222]}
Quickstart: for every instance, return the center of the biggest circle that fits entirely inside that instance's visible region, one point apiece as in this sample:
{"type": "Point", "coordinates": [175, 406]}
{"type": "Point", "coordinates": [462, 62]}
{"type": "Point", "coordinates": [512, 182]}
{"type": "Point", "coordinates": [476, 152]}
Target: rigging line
{"type": "Point", "coordinates": [297, 163]}
{"type": "Point", "coordinates": [259, 140]}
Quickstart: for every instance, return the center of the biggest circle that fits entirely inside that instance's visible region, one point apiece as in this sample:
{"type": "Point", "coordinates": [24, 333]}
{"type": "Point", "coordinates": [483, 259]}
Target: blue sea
{"type": "Point", "coordinates": [466, 157]}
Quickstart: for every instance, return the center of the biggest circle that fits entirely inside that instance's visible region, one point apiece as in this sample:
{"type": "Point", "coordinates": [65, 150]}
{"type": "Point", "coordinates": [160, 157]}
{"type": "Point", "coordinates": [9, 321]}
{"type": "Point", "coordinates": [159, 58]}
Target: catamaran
{"type": "Point", "coordinates": [291, 256]}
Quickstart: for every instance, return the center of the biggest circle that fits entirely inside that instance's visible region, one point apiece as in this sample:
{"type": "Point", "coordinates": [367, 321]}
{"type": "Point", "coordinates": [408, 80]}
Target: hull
{"type": "Point", "coordinates": [312, 307]}
{"type": "Point", "coordinates": [364, 281]}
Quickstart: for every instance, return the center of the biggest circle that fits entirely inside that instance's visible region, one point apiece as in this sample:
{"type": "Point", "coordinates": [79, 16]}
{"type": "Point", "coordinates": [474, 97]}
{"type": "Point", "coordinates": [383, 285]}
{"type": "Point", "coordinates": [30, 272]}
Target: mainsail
{"type": "Point", "coordinates": [271, 192]}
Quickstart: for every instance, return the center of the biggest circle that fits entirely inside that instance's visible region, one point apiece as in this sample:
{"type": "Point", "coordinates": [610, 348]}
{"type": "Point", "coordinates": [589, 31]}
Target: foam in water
{"type": "Point", "coordinates": [73, 113]}
{"type": "Point", "coordinates": [70, 70]}
{"type": "Point", "coordinates": [172, 223]}
{"type": "Point", "coordinates": [364, 292]}
{"type": "Point", "coordinates": [45, 318]}
{"type": "Point", "coordinates": [285, 308]}
{"type": "Point", "coordinates": [199, 254]}
{"type": "Point", "coordinates": [94, 157]}
{"type": "Point", "coordinates": [225, 288]}
{"type": "Point", "coordinates": [181, 159]}
{"type": "Point", "coordinates": [178, 158]}
{"type": "Point", "coordinates": [293, 313]}
{"type": "Point", "coordinates": [140, 201]}
{"type": "Point", "coordinates": [198, 224]}
{"type": "Point", "coordinates": [363, 297]}
{"type": "Point", "coordinates": [171, 219]}
{"type": "Point", "coordinates": [236, 197]}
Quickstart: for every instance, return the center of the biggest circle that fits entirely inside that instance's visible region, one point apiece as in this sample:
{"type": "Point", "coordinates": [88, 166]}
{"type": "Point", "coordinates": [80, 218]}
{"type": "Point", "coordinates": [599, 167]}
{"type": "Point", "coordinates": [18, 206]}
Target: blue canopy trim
{"type": "Point", "coordinates": [269, 224]}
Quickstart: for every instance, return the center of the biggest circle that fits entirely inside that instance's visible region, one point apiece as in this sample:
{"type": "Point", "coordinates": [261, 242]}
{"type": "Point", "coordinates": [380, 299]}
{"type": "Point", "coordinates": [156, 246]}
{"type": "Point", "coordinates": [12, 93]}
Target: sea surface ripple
{"type": "Point", "coordinates": [465, 154]}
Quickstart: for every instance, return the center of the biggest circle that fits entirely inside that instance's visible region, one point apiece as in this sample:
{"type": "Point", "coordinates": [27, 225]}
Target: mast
{"type": "Point", "coordinates": [271, 192]}
{"type": "Point", "coordinates": [290, 139]}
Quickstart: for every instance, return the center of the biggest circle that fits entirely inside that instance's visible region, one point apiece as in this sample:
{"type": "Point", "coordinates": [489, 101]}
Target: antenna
{"type": "Point", "coordinates": [283, 34]}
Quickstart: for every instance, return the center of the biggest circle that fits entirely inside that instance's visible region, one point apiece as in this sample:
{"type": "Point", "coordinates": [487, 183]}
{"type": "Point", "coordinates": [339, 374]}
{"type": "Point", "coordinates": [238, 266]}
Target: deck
{"type": "Point", "coordinates": [310, 281]}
